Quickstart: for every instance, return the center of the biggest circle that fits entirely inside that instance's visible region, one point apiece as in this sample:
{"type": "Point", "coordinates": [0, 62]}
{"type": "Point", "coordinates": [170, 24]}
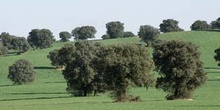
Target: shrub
{"type": "Point", "coordinates": [21, 72]}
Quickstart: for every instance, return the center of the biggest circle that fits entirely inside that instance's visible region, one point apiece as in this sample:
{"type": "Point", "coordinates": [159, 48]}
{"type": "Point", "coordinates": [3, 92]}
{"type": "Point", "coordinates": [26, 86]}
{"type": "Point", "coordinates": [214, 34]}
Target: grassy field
{"type": "Point", "coordinates": [48, 90]}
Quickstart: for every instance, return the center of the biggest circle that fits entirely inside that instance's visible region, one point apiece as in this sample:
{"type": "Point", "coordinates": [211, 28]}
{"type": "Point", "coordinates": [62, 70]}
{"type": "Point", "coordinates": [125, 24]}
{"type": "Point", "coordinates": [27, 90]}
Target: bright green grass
{"type": "Point", "coordinates": [48, 91]}
{"type": "Point", "coordinates": [121, 40]}
{"type": "Point", "coordinates": [207, 42]}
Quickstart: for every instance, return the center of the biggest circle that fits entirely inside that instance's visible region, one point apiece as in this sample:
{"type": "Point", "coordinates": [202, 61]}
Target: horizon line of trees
{"type": "Point", "coordinates": [43, 38]}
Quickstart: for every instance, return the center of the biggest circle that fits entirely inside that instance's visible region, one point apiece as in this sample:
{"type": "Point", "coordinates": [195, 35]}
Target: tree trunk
{"type": "Point", "coordinates": [85, 92]}
{"type": "Point", "coordinates": [121, 95]}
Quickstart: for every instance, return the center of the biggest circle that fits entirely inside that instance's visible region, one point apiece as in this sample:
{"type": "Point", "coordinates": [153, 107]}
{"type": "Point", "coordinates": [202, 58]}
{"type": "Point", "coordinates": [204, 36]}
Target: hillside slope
{"type": "Point", "coordinates": [207, 42]}
{"type": "Point", "coordinates": [48, 91]}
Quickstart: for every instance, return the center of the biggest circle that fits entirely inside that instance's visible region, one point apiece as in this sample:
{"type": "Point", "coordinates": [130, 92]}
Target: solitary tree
{"type": "Point", "coordinates": [180, 68]}
{"type": "Point", "coordinates": [200, 25]}
{"type": "Point", "coordinates": [215, 24]}
{"type": "Point", "coordinates": [84, 32]}
{"type": "Point", "coordinates": [217, 56]}
{"type": "Point", "coordinates": [80, 74]}
{"type": "Point", "coordinates": [169, 25]}
{"type": "Point", "coordinates": [21, 72]}
{"type": "Point", "coordinates": [40, 38]}
{"type": "Point", "coordinates": [20, 44]}
{"type": "Point", "coordinates": [124, 66]}
{"type": "Point", "coordinates": [65, 36]}
{"type": "Point", "coordinates": [148, 34]}
{"type": "Point", "coordinates": [115, 29]}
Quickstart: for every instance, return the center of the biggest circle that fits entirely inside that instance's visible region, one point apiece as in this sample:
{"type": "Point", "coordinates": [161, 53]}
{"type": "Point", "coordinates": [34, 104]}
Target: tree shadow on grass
{"type": "Point", "coordinates": [11, 54]}
{"type": "Point", "coordinates": [6, 85]}
{"type": "Point", "coordinates": [37, 93]}
{"type": "Point", "coordinates": [212, 68]}
{"type": "Point", "coordinates": [199, 106]}
{"type": "Point", "coordinates": [214, 80]}
{"type": "Point", "coordinates": [56, 82]}
{"type": "Point", "coordinates": [37, 98]}
{"type": "Point", "coordinates": [43, 67]}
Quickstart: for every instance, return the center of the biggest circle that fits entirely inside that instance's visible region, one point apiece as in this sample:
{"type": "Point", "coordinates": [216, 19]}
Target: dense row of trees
{"type": "Point", "coordinates": [9, 42]}
{"type": "Point", "coordinates": [43, 38]}
{"type": "Point", "coordinates": [37, 39]}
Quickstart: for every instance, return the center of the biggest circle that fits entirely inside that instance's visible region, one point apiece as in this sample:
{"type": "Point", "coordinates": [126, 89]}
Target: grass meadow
{"type": "Point", "coordinates": [48, 91]}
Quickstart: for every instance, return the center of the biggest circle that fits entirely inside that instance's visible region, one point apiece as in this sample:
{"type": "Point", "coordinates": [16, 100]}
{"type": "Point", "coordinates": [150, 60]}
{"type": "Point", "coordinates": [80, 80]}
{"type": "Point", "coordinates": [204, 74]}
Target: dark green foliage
{"type": "Point", "coordinates": [215, 24]}
{"type": "Point", "coordinates": [75, 33]}
{"type": "Point", "coordinates": [105, 36]}
{"type": "Point", "coordinates": [61, 57]}
{"type": "Point", "coordinates": [217, 56]}
{"type": "Point", "coordinates": [170, 25]}
{"type": "Point", "coordinates": [54, 58]}
{"type": "Point", "coordinates": [200, 25]}
{"type": "Point", "coordinates": [6, 39]}
{"type": "Point", "coordinates": [128, 34]}
{"type": "Point", "coordinates": [65, 36]}
{"type": "Point", "coordinates": [115, 29]}
{"type": "Point", "coordinates": [180, 68]}
{"type": "Point", "coordinates": [66, 54]}
{"type": "Point", "coordinates": [148, 34]}
{"type": "Point", "coordinates": [3, 49]}
{"type": "Point", "coordinates": [40, 38]}
{"type": "Point", "coordinates": [21, 72]}
{"type": "Point", "coordinates": [123, 66]}
{"type": "Point", "coordinates": [20, 44]}
{"type": "Point", "coordinates": [13, 42]}
{"type": "Point", "coordinates": [80, 73]}
{"type": "Point", "coordinates": [84, 32]}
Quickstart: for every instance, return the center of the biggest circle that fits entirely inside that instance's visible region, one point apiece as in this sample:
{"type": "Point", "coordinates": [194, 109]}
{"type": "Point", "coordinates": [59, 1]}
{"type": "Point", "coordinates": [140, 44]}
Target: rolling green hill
{"type": "Point", "coordinates": [48, 90]}
{"type": "Point", "coordinates": [207, 42]}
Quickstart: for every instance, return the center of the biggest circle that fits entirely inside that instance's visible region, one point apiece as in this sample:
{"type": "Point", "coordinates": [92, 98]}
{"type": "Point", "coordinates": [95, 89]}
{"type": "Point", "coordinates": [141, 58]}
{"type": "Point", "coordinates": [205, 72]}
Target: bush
{"type": "Point", "coordinates": [21, 72]}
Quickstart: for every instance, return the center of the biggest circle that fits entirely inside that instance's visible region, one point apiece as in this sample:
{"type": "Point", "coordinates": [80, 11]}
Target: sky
{"type": "Point", "coordinates": [19, 17]}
